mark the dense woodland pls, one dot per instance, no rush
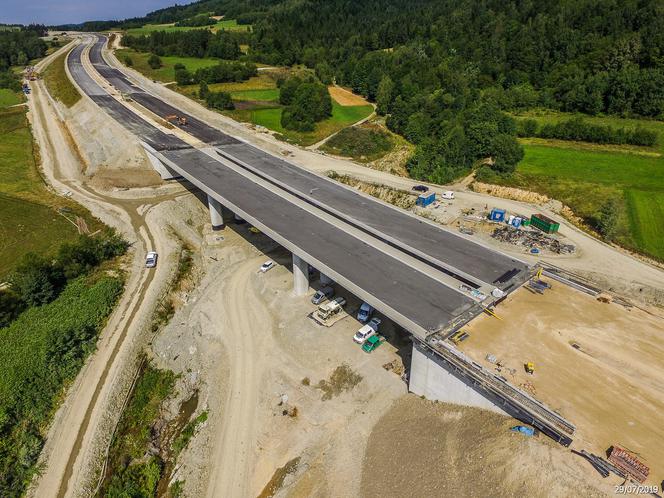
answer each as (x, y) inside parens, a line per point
(445, 71)
(192, 43)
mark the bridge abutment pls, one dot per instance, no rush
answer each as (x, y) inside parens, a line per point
(431, 377)
(300, 276)
(216, 217)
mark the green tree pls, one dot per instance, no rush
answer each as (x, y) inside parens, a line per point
(607, 221)
(154, 61)
(203, 90)
(183, 77)
(128, 61)
(384, 95)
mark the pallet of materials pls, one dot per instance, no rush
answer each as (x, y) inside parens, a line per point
(627, 462)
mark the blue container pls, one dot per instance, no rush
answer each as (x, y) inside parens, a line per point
(516, 222)
(497, 214)
(423, 200)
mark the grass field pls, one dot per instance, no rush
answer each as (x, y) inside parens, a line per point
(261, 94)
(585, 179)
(29, 220)
(646, 212)
(9, 97)
(225, 24)
(59, 85)
(166, 73)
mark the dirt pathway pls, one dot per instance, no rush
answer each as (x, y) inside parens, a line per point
(244, 331)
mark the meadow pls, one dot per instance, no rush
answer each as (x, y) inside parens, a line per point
(29, 218)
(585, 179)
(9, 97)
(165, 73)
(225, 24)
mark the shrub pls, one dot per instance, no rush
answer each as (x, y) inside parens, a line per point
(219, 100)
(154, 61)
(128, 61)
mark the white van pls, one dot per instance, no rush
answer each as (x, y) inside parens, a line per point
(448, 194)
(364, 333)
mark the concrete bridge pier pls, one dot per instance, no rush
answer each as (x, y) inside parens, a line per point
(216, 217)
(325, 280)
(300, 276)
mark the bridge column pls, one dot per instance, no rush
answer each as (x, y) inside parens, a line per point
(216, 217)
(300, 276)
(325, 280)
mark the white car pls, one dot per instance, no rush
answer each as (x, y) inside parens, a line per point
(268, 265)
(448, 194)
(151, 259)
(364, 333)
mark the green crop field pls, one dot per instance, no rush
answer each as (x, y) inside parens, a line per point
(586, 179)
(29, 220)
(166, 73)
(9, 97)
(58, 83)
(225, 24)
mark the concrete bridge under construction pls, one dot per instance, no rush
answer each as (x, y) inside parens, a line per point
(428, 280)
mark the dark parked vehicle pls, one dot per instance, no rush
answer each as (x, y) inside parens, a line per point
(420, 188)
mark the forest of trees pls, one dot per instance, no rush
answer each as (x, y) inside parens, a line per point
(306, 102)
(444, 72)
(191, 43)
(17, 48)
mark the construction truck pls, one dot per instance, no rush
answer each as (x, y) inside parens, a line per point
(325, 311)
(530, 367)
(175, 119)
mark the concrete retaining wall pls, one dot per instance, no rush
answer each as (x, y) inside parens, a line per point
(430, 378)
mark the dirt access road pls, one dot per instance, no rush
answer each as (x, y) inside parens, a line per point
(84, 412)
(247, 321)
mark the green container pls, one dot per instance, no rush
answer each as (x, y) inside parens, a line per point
(547, 225)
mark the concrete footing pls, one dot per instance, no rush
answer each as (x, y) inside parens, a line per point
(300, 276)
(216, 217)
(430, 378)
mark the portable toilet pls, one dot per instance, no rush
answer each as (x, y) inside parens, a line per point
(426, 198)
(516, 222)
(510, 220)
(497, 214)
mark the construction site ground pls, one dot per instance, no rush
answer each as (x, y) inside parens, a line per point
(599, 364)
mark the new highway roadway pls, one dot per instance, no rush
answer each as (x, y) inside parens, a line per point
(413, 271)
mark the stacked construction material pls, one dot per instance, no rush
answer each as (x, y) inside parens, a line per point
(628, 463)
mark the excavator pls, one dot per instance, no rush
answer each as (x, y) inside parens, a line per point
(175, 119)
